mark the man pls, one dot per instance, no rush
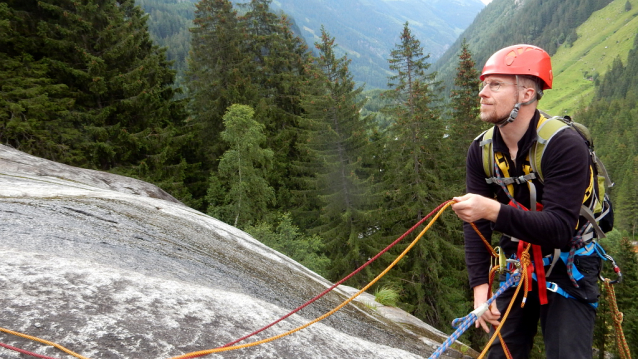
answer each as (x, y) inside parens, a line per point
(513, 81)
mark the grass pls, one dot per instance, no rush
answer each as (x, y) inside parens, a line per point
(387, 296)
(607, 34)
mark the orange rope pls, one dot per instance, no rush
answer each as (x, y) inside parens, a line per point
(223, 349)
(46, 342)
(487, 244)
(497, 331)
(489, 293)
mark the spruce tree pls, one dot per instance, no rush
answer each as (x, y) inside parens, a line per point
(463, 127)
(465, 124)
(255, 60)
(218, 75)
(35, 109)
(626, 292)
(338, 141)
(279, 61)
(627, 203)
(431, 275)
(118, 113)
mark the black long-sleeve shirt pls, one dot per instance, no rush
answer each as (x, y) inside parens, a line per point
(566, 172)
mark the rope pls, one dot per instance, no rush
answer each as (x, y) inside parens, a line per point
(621, 342)
(438, 210)
(342, 280)
(497, 331)
(267, 340)
(46, 342)
(487, 244)
(469, 319)
(525, 263)
(25, 352)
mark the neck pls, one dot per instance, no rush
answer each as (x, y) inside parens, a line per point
(513, 132)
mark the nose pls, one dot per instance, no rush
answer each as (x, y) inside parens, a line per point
(483, 91)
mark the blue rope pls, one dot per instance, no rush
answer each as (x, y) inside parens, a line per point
(469, 319)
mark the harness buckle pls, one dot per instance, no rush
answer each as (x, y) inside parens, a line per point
(552, 287)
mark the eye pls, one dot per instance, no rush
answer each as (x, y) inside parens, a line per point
(495, 85)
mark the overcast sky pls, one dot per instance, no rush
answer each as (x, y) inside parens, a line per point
(486, 1)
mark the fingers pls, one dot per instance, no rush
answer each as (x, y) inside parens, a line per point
(490, 316)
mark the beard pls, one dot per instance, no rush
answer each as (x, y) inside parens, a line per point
(490, 115)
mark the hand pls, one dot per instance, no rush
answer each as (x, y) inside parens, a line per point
(492, 315)
(473, 207)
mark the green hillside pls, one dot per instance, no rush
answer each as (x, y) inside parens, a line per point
(607, 34)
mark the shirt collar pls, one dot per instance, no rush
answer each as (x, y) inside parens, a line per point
(524, 144)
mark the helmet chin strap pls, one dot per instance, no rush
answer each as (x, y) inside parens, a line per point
(514, 112)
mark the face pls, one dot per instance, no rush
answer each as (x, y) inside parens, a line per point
(496, 105)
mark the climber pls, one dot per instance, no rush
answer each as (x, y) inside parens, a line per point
(513, 81)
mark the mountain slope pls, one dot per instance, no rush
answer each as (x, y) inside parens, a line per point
(548, 24)
(609, 33)
(365, 30)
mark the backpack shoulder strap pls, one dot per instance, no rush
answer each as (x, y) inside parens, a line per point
(546, 129)
(485, 139)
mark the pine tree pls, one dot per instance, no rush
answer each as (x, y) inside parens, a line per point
(432, 274)
(242, 171)
(338, 140)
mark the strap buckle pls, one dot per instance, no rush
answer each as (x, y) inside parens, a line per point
(552, 287)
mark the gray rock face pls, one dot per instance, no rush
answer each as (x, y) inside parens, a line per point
(111, 267)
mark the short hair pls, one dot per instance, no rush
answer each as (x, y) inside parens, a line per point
(534, 82)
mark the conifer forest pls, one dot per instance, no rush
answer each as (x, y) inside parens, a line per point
(273, 136)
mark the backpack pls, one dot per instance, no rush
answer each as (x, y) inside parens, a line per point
(598, 211)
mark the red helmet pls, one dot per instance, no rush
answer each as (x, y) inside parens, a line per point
(521, 60)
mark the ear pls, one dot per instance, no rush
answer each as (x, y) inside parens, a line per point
(529, 94)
